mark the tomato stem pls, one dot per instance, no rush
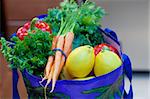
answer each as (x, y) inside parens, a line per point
(34, 20)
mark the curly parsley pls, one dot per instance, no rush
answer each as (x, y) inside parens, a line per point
(31, 53)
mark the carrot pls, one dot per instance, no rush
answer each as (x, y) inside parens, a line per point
(68, 46)
(49, 80)
(47, 69)
(50, 61)
(62, 63)
(57, 61)
(50, 76)
(67, 49)
(48, 66)
(50, 58)
(55, 39)
(68, 42)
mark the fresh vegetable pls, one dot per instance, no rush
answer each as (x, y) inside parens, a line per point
(50, 60)
(31, 53)
(63, 72)
(86, 29)
(65, 31)
(55, 39)
(105, 46)
(106, 61)
(57, 61)
(49, 65)
(43, 26)
(80, 61)
(88, 18)
(48, 68)
(65, 28)
(67, 49)
(27, 25)
(23, 31)
(49, 78)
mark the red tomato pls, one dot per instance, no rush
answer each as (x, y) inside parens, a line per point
(22, 31)
(27, 25)
(104, 46)
(43, 26)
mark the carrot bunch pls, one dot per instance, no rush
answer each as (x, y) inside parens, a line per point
(62, 42)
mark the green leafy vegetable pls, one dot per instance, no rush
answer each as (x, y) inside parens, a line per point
(54, 19)
(88, 18)
(31, 53)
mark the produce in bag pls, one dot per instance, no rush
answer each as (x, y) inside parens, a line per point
(23, 31)
(105, 46)
(43, 46)
(106, 61)
(80, 61)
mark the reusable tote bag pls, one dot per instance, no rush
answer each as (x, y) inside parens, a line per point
(108, 86)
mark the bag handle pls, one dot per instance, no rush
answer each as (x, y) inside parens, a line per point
(126, 63)
(15, 77)
(111, 33)
(128, 73)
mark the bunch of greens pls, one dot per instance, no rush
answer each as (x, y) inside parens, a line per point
(31, 53)
(88, 20)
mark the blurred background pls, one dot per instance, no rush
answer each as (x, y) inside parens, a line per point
(130, 19)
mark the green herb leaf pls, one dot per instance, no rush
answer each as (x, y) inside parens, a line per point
(31, 53)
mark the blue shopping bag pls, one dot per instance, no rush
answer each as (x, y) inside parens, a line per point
(108, 86)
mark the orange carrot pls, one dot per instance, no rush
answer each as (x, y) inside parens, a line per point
(62, 63)
(68, 41)
(57, 61)
(68, 44)
(49, 80)
(55, 39)
(48, 66)
(67, 49)
(50, 76)
(50, 59)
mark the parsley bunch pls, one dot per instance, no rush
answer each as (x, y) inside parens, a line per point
(31, 53)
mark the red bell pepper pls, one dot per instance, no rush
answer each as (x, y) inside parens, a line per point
(22, 31)
(104, 46)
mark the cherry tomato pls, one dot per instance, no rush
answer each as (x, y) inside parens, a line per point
(23, 31)
(104, 46)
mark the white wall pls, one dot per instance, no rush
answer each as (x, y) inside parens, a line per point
(149, 37)
(129, 19)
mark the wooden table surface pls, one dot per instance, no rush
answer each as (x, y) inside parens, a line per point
(6, 81)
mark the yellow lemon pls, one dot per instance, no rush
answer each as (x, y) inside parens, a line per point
(105, 62)
(86, 78)
(80, 61)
